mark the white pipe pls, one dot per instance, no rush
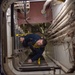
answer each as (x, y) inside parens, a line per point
(44, 6)
(66, 7)
(66, 17)
(61, 31)
(62, 36)
(63, 12)
(60, 26)
(60, 18)
(58, 37)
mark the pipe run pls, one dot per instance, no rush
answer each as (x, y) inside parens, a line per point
(59, 27)
(68, 19)
(58, 37)
(62, 14)
(61, 31)
(63, 35)
(45, 5)
(67, 27)
(66, 7)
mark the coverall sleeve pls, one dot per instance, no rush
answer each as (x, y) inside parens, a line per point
(38, 54)
(27, 37)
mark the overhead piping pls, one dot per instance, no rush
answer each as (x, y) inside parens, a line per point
(61, 15)
(66, 17)
(63, 35)
(43, 11)
(70, 21)
(25, 13)
(59, 27)
(63, 30)
(65, 7)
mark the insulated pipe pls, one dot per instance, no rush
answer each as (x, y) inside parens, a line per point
(61, 36)
(62, 16)
(50, 32)
(62, 21)
(44, 6)
(58, 37)
(66, 7)
(66, 17)
(64, 29)
(61, 31)
(60, 26)
(59, 17)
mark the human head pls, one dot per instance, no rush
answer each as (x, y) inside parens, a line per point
(42, 42)
(21, 39)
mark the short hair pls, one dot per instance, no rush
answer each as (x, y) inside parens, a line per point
(44, 41)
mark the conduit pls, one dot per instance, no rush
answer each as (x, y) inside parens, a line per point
(58, 37)
(63, 35)
(62, 14)
(60, 26)
(65, 18)
(64, 22)
(61, 31)
(45, 5)
(62, 10)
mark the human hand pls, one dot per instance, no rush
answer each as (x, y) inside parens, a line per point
(29, 61)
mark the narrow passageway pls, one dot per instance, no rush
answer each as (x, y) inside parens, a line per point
(46, 64)
(51, 20)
